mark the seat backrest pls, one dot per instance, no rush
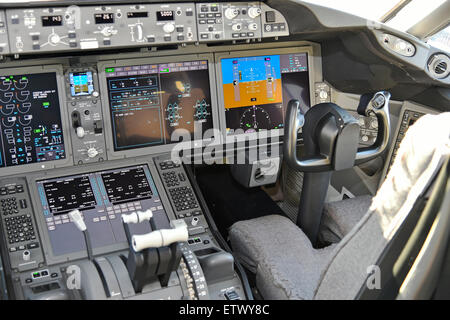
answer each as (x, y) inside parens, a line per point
(421, 153)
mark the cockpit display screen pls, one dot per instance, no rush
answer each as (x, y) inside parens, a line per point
(81, 83)
(257, 89)
(126, 185)
(66, 194)
(148, 103)
(95, 189)
(30, 119)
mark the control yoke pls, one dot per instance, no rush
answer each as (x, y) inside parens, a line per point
(330, 138)
(325, 155)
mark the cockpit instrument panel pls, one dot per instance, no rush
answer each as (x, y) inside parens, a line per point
(256, 89)
(31, 125)
(81, 83)
(102, 197)
(149, 102)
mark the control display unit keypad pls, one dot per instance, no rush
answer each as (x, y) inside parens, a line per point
(181, 194)
(19, 227)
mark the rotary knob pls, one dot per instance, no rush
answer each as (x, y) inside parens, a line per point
(54, 39)
(139, 33)
(254, 12)
(236, 27)
(92, 152)
(374, 124)
(169, 28)
(323, 95)
(80, 132)
(253, 26)
(107, 31)
(231, 13)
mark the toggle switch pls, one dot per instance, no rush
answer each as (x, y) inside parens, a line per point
(98, 126)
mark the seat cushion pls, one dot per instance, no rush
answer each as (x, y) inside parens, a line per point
(341, 216)
(424, 147)
(281, 256)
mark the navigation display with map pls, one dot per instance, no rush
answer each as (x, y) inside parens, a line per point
(257, 89)
(149, 102)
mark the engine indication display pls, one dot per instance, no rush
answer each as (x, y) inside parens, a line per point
(257, 89)
(149, 102)
(31, 128)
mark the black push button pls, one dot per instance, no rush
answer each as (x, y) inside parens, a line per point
(270, 16)
(33, 245)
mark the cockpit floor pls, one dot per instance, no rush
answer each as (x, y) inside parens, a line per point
(230, 202)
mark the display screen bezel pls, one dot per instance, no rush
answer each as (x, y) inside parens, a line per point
(253, 53)
(68, 160)
(113, 154)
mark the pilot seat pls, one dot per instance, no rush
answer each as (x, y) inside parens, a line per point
(283, 256)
